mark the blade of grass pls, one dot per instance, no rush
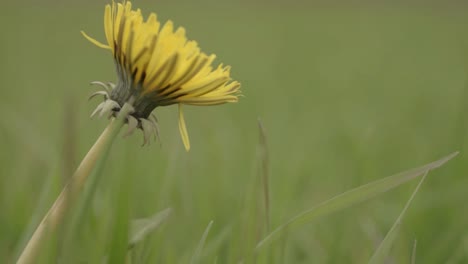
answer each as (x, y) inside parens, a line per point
(216, 242)
(24, 131)
(196, 255)
(141, 228)
(264, 172)
(69, 151)
(352, 197)
(81, 210)
(52, 184)
(119, 242)
(123, 184)
(382, 251)
(69, 137)
(413, 254)
(261, 196)
(254, 213)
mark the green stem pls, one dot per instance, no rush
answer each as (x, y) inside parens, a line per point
(53, 219)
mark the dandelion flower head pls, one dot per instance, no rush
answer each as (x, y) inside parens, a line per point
(157, 66)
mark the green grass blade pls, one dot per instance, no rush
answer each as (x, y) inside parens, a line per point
(413, 254)
(264, 172)
(351, 197)
(201, 244)
(78, 216)
(48, 188)
(26, 134)
(382, 251)
(120, 230)
(141, 228)
(217, 241)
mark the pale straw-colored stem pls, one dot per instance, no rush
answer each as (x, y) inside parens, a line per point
(53, 219)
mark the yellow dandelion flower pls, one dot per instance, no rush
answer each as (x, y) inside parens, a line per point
(157, 66)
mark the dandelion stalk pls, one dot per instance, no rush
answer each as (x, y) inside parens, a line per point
(156, 66)
(53, 219)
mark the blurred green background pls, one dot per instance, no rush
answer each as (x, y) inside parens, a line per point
(347, 93)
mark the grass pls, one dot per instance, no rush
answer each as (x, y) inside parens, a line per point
(346, 96)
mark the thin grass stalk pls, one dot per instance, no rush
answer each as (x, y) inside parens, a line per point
(382, 251)
(265, 172)
(42, 201)
(413, 254)
(196, 255)
(53, 219)
(69, 138)
(351, 197)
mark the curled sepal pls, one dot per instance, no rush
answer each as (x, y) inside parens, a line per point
(154, 118)
(98, 108)
(111, 85)
(107, 86)
(154, 121)
(132, 125)
(148, 130)
(103, 93)
(109, 105)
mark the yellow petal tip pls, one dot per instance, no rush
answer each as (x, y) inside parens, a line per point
(95, 42)
(183, 129)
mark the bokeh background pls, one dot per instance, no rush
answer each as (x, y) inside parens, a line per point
(348, 92)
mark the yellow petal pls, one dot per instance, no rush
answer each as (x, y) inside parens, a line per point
(95, 42)
(183, 129)
(108, 25)
(210, 100)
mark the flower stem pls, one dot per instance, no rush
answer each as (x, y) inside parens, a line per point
(53, 219)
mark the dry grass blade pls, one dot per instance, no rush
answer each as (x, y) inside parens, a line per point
(201, 244)
(141, 228)
(352, 197)
(382, 251)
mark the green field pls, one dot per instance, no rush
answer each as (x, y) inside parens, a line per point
(346, 94)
